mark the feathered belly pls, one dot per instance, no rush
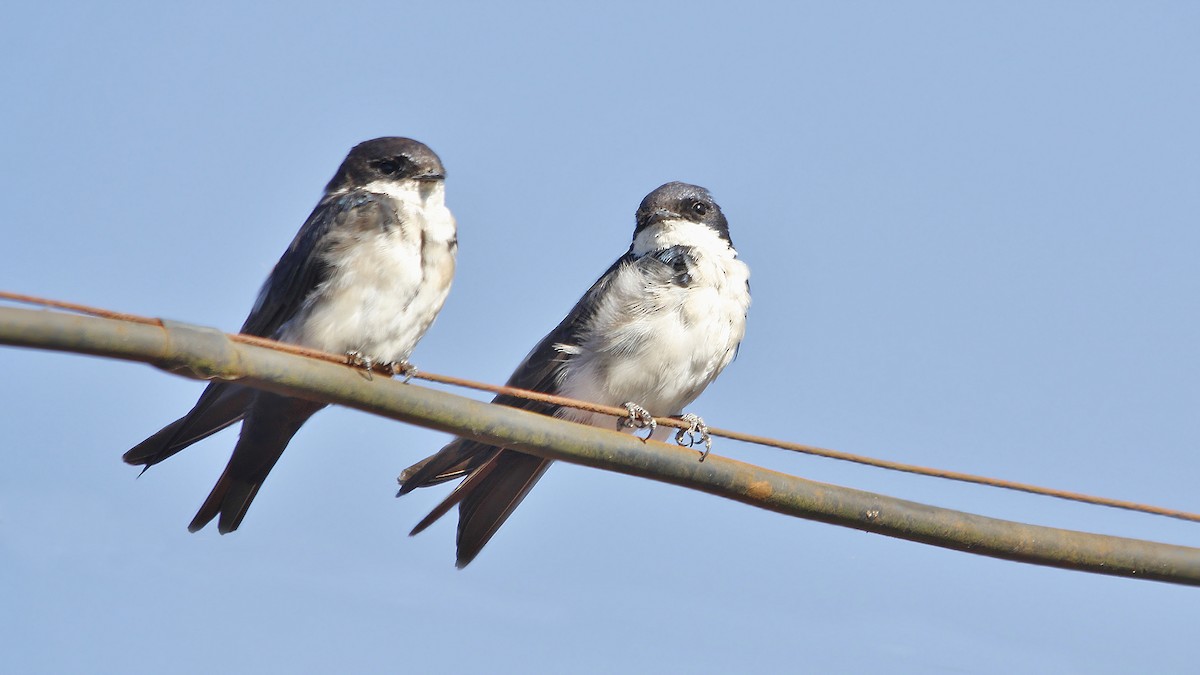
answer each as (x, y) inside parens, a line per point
(380, 301)
(662, 360)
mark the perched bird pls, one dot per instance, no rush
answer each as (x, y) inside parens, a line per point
(365, 276)
(649, 335)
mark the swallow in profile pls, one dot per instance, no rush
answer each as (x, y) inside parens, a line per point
(649, 336)
(365, 276)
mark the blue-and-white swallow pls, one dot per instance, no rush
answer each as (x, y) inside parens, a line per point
(366, 275)
(649, 335)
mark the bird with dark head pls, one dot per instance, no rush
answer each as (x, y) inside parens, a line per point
(649, 335)
(366, 276)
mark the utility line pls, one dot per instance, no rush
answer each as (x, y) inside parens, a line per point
(206, 353)
(666, 421)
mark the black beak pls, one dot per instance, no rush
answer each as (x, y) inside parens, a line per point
(659, 215)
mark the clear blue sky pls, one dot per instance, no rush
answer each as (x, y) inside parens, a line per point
(973, 231)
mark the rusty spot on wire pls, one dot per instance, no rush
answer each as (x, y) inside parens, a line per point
(760, 489)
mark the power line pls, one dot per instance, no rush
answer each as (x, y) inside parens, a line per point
(666, 421)
(209, 354)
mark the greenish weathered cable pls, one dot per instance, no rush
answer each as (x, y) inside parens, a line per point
(207, 353)
(815, 451)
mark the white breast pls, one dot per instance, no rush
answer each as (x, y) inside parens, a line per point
(659, 345)
(387, 284)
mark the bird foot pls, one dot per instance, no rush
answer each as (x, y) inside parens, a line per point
(638, 418)
(403, 368)
(695, 434)
(357, 359)
(368, 364)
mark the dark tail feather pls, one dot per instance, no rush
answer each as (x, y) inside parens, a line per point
(230, 499)
(270, 424)
(459, 458)
(220, 405)
(460, 491)
(485, 507)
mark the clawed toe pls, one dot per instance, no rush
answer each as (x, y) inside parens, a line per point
(403, 368)
(357, 359)
(368, 364)
(638, 418)
(697, 432)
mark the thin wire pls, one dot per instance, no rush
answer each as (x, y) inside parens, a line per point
(666, 421)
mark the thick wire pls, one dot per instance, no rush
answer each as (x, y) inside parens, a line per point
(621, 412)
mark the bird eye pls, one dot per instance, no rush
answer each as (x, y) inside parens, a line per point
(389, 167)
(699, 208)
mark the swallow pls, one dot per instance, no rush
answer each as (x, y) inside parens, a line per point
(366, 275)
(654, 331)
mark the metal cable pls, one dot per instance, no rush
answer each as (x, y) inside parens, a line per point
(666, 421)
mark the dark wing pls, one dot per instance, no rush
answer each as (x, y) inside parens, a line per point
(303, 266)
(538, 372)
(301, 269)
(541, 367)
(220, 405)
(498, 479)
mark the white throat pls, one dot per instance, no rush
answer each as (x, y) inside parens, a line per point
(679, 232)
(424, 193)
(420, 201)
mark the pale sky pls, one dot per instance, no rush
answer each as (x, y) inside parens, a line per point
(972, 234)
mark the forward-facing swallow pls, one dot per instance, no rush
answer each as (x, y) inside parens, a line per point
(649, 335)
(365, 276)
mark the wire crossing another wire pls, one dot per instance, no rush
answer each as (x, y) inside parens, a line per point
(667, 421)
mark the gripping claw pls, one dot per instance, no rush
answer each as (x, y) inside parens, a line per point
(403, 368)
(357, 359)
(694, 434)
(638, 418)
